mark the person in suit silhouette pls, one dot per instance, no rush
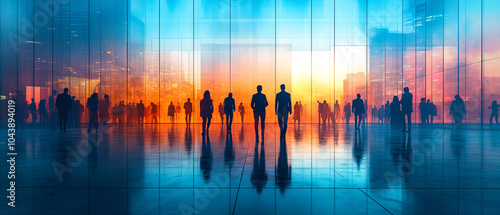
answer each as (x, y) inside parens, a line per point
(336, 110)
(358, 108)
(259, 104)
(188, 109)
(42, 110)
(206, 110)
(171, 112)
(395, 113)
(283, 107)
(63, 105)
(406, 108)
(229, 108)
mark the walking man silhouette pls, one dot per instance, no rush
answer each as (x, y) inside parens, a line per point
(406, 108)
(283, 107)
(188, 109)
(229, 108)
(259, 104)
(358, 108)
(63, 104)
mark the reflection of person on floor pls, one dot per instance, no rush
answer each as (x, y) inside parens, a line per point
(296, 112)
(358, 108)
(283, 170)
(171, 112)
(358, 149)
(494, 111)
(229, 108)
(188, 109)
(206, 159)
(283, 107)
(241, 110)
(259, 175)
(457, 110)
(63, 105)
(406, 108)
(259, 104)
(92, 104)
(206, 110)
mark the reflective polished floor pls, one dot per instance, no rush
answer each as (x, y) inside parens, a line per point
(171, 169)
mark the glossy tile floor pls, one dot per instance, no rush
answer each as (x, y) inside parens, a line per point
(170, 169)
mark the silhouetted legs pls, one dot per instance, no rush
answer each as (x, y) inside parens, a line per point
(222, 119)
(357, 120)
(242, 118)
(63, 120)
(229, 121)
(262, 117)
(406, 116)
(494, 115)
(283, 122)
(206, 124)
(188, 118)
(93, 121)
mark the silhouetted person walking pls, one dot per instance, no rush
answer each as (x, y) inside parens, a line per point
(229, 108)
(283, 107)
(177, 111)
(221, 112)
(395, 113)
(259, 104)
(42, 110)
(494, 111)
(79, 109)
(33, 112)
(92, 104)
(154, 112)
(457, 110)
(171, 112)
(241, 109)
(141, 109)
(104, 110)
(358, 108)
(296, 112)
(336, 110)
(64, 105)
(347, 112)
(188, 109)
(206, 110)
(423, 111)
(406, 108)
(52, 109)
(320, 111)
(431, 111)
(374, 113)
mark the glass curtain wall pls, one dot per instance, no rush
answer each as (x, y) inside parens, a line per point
(166, 51)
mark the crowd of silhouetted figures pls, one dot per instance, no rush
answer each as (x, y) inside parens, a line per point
(70, 110)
